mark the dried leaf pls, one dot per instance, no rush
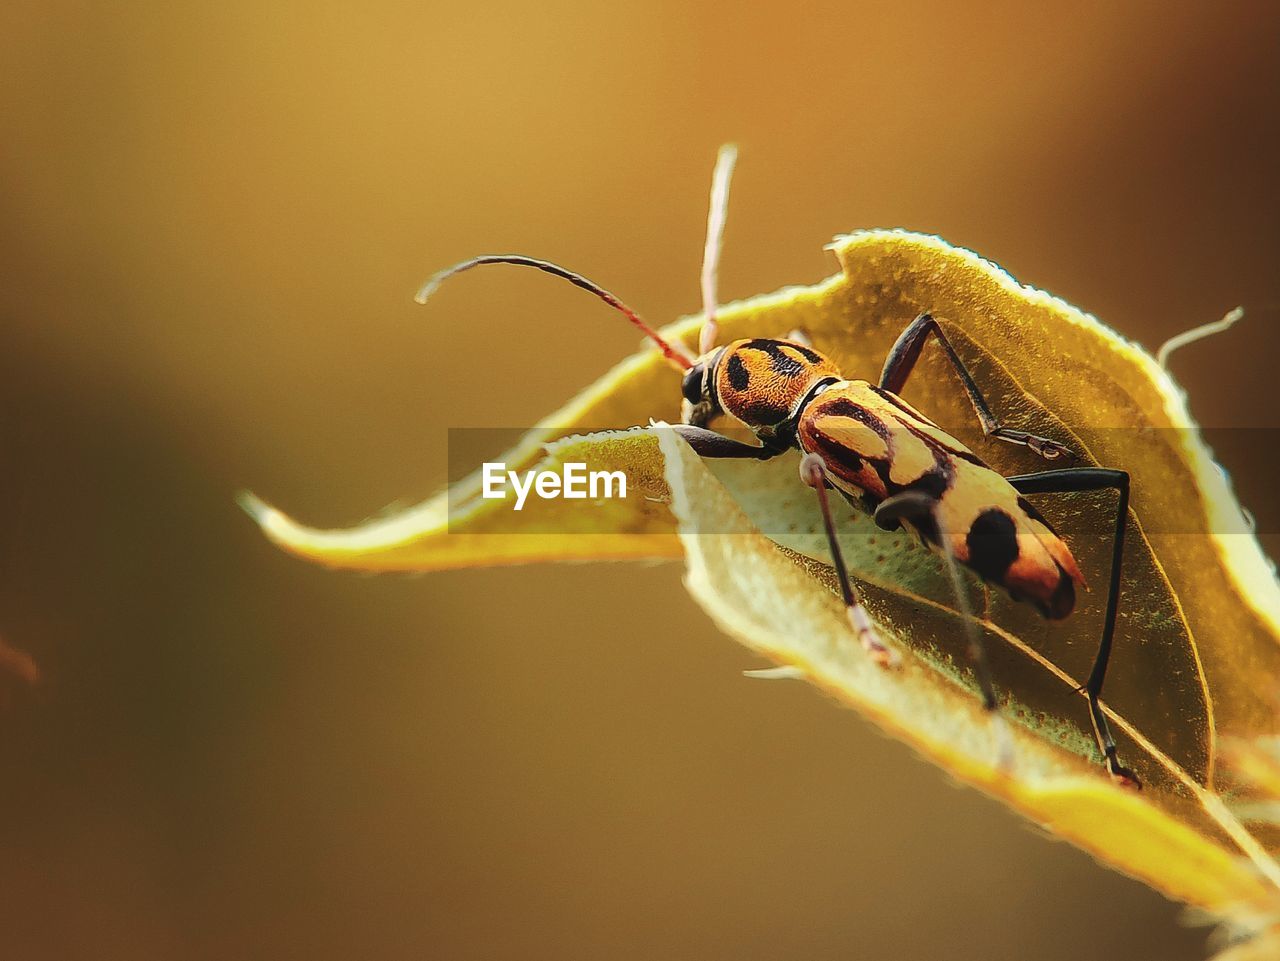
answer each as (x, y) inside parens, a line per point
(1200, 614)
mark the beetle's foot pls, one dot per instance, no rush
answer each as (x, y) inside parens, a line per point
(1122, 775)
(1050, 449)
(880, 653)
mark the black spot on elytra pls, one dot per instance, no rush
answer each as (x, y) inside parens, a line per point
(739, 376)
(993, 544)
(933, 484)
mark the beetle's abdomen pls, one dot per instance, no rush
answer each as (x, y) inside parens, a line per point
(875, 445)
(997, 533)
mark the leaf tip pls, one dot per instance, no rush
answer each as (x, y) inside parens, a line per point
(274, 523)
(783, 672)
(259, 510)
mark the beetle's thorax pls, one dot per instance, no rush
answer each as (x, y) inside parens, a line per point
(766, 383)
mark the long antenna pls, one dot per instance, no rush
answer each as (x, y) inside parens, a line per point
(725, 160)
(676, 354)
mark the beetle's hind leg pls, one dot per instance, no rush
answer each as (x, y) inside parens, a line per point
(1093, 479)
(814, 474)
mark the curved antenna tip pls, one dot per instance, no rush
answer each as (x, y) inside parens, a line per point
(432, 283)
(675, 352)
(426, 290)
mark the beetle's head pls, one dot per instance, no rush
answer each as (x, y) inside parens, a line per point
(701, 400)
(758, 382)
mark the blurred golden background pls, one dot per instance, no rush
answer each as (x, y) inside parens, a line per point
(214, 219)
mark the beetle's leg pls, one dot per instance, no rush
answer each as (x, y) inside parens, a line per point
(920, 508)
(1093, 479)
(707, 443)
(813, 473)
(902, 360)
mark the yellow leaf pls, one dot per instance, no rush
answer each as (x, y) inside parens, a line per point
(763, 598)
(1200, 615)
(458, 528)
(1266, 947)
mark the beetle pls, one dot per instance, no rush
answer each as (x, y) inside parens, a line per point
(886, 458)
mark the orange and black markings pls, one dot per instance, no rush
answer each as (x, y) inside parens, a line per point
(887, 458)
(876, 446)
(762, 381)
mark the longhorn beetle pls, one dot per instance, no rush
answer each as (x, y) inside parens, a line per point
(884, 457)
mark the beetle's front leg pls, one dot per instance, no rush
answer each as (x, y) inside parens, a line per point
(813, 472)
(707, 443)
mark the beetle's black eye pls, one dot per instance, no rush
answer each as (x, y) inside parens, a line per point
(692, 386)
